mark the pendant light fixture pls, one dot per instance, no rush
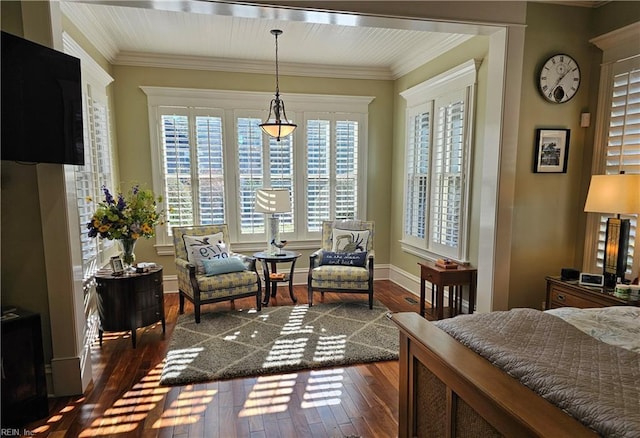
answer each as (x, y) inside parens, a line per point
(278, 126)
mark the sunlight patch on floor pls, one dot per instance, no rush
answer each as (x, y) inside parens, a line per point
(188, 408)
(129, 412)
(51, 421)
(269, 395)
(324, 388)
(330, 348)
(180, 360)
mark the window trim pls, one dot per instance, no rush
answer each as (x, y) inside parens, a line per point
(462, 78)
(245, 102)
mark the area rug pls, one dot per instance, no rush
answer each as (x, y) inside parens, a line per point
(247, 343)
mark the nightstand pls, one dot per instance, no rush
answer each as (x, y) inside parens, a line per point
(571, 294)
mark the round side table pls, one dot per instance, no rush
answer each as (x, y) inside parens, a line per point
(271, 278)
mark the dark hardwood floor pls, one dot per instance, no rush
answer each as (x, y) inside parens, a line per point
(125, 399)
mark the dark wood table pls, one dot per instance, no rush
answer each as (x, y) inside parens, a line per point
(129, 301)
(272, 260)
(454, 279)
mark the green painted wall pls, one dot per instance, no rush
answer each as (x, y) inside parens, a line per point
(475, 48)
(548, 222)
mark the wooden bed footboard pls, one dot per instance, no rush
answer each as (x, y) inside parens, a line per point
(447, 390)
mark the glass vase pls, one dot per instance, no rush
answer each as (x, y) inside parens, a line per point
(128, 246)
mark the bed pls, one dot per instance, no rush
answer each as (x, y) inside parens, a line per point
(561, 373)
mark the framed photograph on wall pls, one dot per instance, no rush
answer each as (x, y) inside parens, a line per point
(116, 265)
(551, 151)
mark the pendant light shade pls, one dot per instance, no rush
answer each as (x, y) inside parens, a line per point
(277, 125)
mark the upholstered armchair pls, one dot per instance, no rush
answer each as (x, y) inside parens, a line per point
(345, 261)
(208, 272)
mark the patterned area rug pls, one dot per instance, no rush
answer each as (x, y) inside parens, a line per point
(246, 343)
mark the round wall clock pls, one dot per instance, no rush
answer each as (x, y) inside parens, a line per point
(559, 78)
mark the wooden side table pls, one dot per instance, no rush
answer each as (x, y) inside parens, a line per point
(455, 279)
(129, 301)
(272, 260)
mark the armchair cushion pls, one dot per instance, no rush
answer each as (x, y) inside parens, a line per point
(230, 284)
(338, 273)
(223, 266)
(349, 240)
(344, 258)
(206, 247)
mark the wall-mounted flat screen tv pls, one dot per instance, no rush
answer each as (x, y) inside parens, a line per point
(41, 104)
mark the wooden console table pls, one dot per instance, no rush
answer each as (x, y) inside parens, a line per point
(129, 301)
(454, 279)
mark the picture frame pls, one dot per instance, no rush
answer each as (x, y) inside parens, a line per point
(116, 265)
(551, 150)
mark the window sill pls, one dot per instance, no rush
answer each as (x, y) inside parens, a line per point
(250, 247)
(426, 254)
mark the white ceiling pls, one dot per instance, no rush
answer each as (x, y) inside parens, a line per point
(230, 35)
(135, 36)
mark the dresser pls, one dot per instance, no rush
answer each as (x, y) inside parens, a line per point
(24, 384)
(571, 294)
(129, 301)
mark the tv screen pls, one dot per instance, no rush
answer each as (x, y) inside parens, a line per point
(41, 104)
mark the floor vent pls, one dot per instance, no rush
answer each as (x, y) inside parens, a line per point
(410, 300)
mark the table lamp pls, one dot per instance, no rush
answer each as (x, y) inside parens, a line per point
(614, 194)
(271, 201)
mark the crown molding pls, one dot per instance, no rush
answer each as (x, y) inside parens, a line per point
(444, 45)
(137, 59)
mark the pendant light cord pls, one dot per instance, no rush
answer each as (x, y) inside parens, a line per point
(277, 32)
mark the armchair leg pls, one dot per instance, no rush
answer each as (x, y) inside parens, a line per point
(197, 312)
(310, 296)
(181, 295)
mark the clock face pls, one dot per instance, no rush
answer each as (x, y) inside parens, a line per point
(559, 78)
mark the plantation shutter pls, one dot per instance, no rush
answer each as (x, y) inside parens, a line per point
(333, 142)
(177, 163)
(318, 173)
(346, 191)
(192, 154)
(250, 173)
(280, 156)
(210, 170)
(417, 178)
(95, 173)
(447, 175)
(622, 151)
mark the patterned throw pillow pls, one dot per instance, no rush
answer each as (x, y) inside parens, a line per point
(208, 247)
(349, 240)
(344, 258)
(223, 266)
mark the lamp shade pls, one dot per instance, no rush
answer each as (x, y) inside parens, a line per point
(278, 129)
(618, 194)
(272, 200)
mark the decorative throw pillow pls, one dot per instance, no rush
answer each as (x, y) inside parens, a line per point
(344, 258)
(208, 247)
(349, 240)
(223, 266)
